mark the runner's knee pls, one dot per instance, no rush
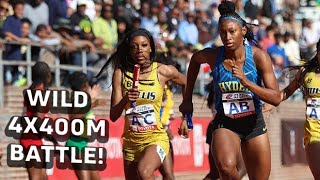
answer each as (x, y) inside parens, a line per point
(145, 172)
(227, 166)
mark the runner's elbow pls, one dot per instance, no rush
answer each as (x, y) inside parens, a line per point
(276, 100)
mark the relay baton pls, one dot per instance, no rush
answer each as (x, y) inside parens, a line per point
(136, 72)
(188, 117)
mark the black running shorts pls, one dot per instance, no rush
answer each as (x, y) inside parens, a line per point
(246, 128)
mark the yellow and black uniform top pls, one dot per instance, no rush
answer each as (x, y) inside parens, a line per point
(312, 94)
(143, 125)
(167, 106)
(311, 83)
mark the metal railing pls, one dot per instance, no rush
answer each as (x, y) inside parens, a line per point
(57, 67)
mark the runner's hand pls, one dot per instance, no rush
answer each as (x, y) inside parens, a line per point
(183, 130)
(268, 109)
(133, 94)
(186, 107)
(238, 73)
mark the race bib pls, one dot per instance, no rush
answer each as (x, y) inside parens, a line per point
(142, 118)
(161, 153)
(313, 108)
(237, 105)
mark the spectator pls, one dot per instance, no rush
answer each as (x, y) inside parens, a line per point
(47, 53)
(166, 5)
(90, 10)
(130, 12)
(57, 9)
(147, 22)
(188, 31)
(119, 13)
(165, 34)
(25, 33)
(291, 48)
(37, 12)
(293, 5)
(12, 32)
(210, 26)
(214, 17)
(183, 6)
(204, 34)
(74, 45)
(214, 12)
(97, 6)
(268, 8)
(155, 11)
(64, 31)
(250, 10)
(239, 8)
(174, 20)
(92, 59)
(44, 36)
(78, 16)
(25, 27)
(105, 27)
(122, 28)
(278, 55)
(136, 23)
(268, 40)
(291, 25)
(87, 34)
(172, 53)
(4, 13)
(308, 39)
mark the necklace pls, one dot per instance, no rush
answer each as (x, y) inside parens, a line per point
(144, 68)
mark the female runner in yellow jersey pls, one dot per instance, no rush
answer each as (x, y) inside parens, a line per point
(166, 115)
(308, 79)
(145, 142)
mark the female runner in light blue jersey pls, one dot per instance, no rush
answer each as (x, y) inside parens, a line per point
(238, 72)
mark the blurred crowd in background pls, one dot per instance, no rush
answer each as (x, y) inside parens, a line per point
(62, 28)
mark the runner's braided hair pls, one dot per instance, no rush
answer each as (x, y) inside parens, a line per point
(227, 11)
(307, 67)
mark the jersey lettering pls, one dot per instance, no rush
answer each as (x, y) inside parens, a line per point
(237, 105)
(135, 121)
(313, 108)
(129, 84)
(313, 90)
(232, 86)
(233, 108)
(148, 95)
(313, 113)
(142, 118)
